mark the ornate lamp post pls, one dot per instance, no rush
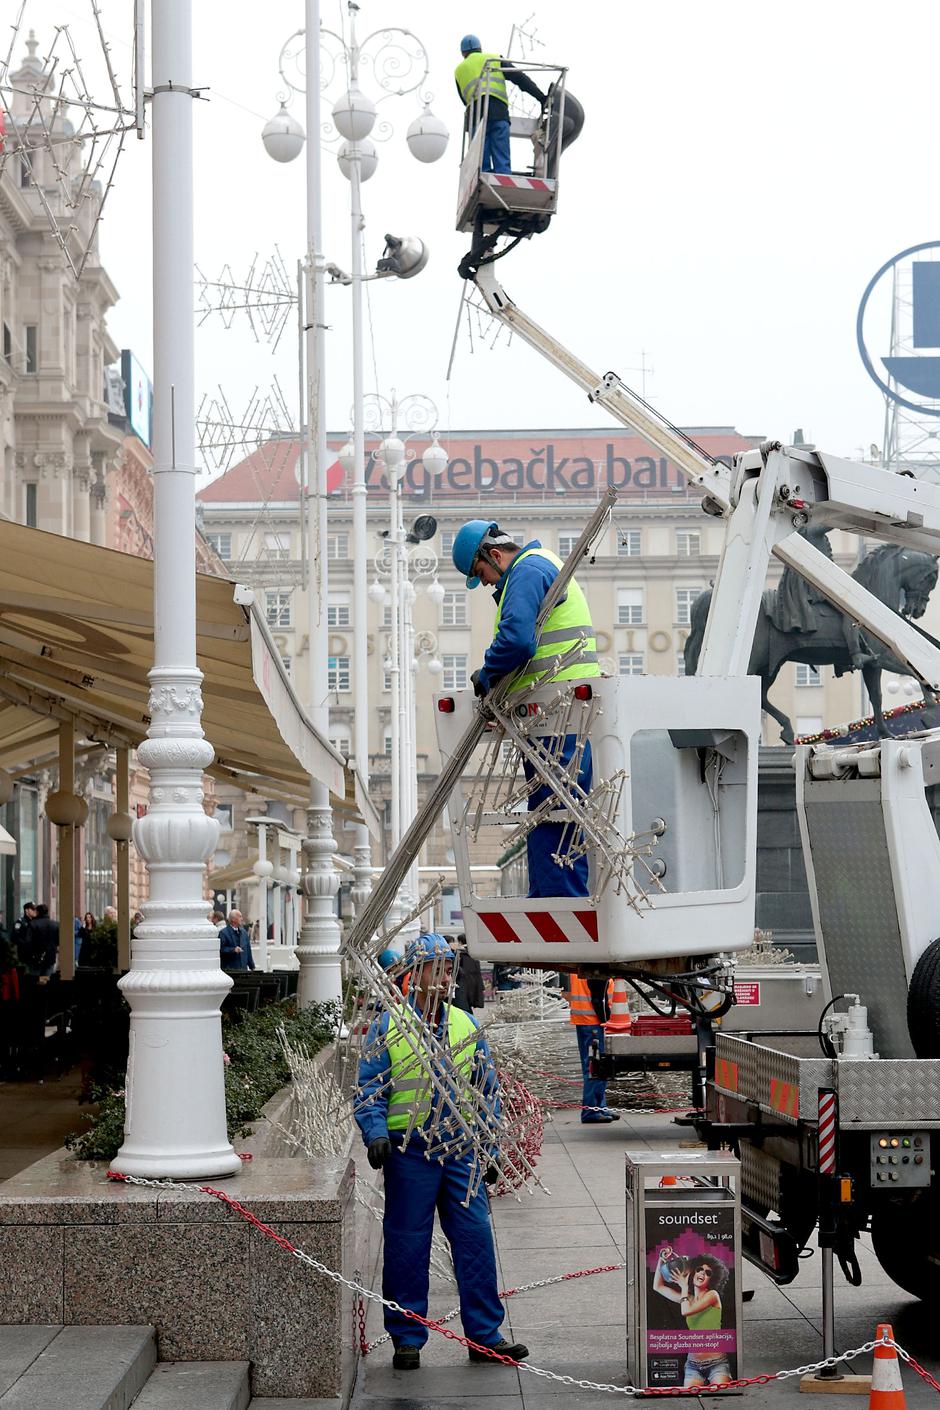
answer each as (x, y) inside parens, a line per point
(398, 64)
(404, 562)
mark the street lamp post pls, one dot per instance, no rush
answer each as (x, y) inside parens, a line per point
(399, 64)
(175, 1122)
(400, 564)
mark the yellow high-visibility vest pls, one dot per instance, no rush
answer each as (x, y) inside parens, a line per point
(478, 74)
(410, 1086)
(568, 623)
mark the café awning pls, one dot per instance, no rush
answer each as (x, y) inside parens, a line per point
(76, 642)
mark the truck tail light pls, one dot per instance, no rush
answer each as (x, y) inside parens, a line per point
(583, 692)
(447, 705)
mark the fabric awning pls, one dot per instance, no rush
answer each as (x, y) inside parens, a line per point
(76, 642)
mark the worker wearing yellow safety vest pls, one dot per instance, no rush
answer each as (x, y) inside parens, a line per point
(589, 1003)
(394, 1097)
(479, 76)
(521, 578)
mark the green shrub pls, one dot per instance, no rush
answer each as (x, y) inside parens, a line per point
(256, 1069)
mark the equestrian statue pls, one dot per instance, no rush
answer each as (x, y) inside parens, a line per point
(797, 623)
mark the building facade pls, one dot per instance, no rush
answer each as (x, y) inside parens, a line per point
(650, 564)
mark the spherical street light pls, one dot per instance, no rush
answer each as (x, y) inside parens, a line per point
(436, 592)
(354, 114)
(427, 137)
(283, 136)
(392, 454)
(347, 457)
(435, 459)
(362, 152)
(377, 591)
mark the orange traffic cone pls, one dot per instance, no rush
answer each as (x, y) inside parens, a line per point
(620, 1020)
(886, 1390)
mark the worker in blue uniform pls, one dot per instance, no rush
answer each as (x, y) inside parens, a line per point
(521, 577)
(479, 74)
(392, 1090)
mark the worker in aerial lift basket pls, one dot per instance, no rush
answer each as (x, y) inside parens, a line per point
(478, 74)
(414, 1135)
(521, 577)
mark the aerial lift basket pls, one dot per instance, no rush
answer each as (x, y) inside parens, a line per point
(668, 828)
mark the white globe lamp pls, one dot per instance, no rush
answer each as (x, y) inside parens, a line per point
(435, 459)
(427, 137)
(347, 457)
(354, 114)
(362, 152)
(436, 592)
(391, 452)
(283, 136)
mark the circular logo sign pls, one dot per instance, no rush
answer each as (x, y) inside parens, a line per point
(898, 328)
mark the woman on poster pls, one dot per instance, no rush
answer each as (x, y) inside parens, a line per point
(696, 1285)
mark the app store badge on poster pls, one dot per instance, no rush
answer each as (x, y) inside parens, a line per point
(691, 1337)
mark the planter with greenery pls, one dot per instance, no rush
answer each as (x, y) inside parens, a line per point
(255, 1070)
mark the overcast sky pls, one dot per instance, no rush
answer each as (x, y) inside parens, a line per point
(743, 171)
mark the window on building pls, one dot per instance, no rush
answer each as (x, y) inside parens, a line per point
(387, 616)
(386, 680)
(337, 612)
(629, 542)
(447, 540)
(337, 546)
(387, 743)
(807, 675)
(32, 490)
(277, 546)
(32, 349)
(566, 543)
(517, 538)
(337, 673)
(7, 343)
(277, 606)
(808, 724)
(222, 544)
(454, 609)
(225, 816)
(341, 743)
(629, 607)
(680, 663)
(630, 663)
(454, 675)
(688, 543)
(285, 662)
(685, 596)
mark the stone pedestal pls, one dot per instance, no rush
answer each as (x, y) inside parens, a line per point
(78, 1249)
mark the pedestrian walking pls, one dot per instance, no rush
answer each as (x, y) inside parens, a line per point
(394, 1095)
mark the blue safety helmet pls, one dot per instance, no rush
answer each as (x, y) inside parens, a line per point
(467, 543)
(469, 43)
(389, 957)
(422, 948)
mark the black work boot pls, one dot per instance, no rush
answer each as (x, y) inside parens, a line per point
(515, 1349)
(407, 1358)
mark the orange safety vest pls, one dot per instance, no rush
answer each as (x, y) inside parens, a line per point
(579, 1001)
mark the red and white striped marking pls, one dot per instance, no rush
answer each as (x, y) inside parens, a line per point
(827, 1132)
(522, 183)
(550, 927)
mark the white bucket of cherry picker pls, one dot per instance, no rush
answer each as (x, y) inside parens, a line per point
(678, 758)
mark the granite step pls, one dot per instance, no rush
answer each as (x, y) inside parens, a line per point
(81, 1368)
(197, 1385)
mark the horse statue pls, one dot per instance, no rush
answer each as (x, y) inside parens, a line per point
(797, 623)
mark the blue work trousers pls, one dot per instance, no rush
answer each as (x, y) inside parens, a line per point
(414, 1188)
(594, 1092)
(546, 877)
(496, 146)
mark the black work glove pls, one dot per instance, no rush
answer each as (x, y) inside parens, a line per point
(491, 1175)
(379, 1152)
(479, 689)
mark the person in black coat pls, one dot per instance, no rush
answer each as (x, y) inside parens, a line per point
(468, 989)
(235, 944)
(40, 950)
